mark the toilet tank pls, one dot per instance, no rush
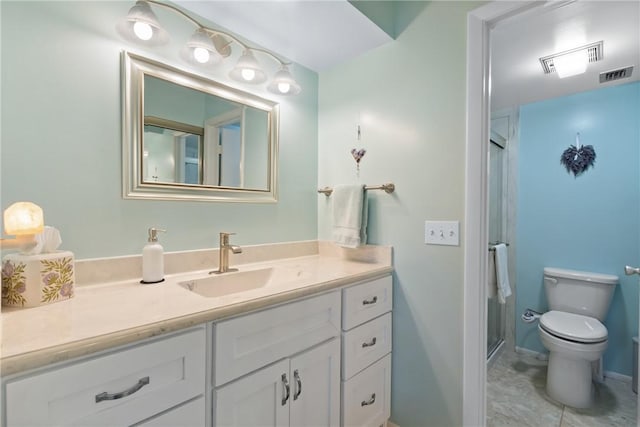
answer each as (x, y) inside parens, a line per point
(579, 292)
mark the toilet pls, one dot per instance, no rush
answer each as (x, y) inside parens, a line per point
(573, 332)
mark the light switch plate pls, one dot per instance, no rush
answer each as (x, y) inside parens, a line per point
(442, 233)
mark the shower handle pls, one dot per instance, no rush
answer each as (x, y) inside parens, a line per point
(631, 270)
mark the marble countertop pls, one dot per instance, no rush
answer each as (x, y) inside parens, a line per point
(102, 316)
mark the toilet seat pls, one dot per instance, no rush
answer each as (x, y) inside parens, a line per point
(573, 327)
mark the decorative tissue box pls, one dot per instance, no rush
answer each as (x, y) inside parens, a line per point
(33, 280)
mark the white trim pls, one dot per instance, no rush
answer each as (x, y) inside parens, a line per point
(474, 364)
(618, 377)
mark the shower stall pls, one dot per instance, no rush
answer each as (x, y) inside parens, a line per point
(498, 161)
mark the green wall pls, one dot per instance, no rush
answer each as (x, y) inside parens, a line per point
(61, 137)
(409, 98)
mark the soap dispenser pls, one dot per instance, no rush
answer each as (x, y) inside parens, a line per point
(153, 259)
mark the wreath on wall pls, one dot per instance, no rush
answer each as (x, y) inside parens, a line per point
(577, 159)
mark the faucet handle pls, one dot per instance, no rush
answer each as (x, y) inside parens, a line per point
(224, 238)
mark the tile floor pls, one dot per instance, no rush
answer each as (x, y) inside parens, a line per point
(516, 397)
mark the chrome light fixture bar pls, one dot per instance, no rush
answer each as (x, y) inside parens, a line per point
(205, 47)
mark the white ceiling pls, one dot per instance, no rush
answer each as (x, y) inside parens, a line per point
(315, 33)
(518, 43)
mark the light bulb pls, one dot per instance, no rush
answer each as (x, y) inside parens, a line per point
(143, 30)
(284, 87)
(201, 55)
(248, 74)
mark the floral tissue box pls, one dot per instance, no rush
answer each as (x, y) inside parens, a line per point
(33, 280)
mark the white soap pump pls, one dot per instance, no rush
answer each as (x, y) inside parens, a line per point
(153, 258)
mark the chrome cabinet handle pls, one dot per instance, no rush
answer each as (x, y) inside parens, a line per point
(296, 375)
(370, 301)
(370, 401)
(370, 343)
(106, 396)
(287, 390)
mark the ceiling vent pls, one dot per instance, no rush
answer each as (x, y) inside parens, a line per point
(620, 73)
(594, 53)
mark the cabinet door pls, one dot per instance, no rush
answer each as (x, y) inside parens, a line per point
(315, 386)
(259, 399)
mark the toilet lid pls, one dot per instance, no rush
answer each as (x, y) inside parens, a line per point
(574, 327)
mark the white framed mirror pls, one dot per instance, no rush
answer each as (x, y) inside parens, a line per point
(186, 137)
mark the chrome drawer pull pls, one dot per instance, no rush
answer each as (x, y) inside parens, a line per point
(371, 301)
(370, 401)
(296, 375)
(287, 391)
(370, 343)
(106, 396)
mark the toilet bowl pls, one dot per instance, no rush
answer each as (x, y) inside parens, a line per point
(573, 333)
(574, 342)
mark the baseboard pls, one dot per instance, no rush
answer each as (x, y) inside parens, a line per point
(531, 353)
(390, 424)
(617, 376)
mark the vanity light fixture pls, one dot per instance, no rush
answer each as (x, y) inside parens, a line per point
(247, 69)
(572, 62)
(284, 83)
(141, 26)
(23, 220)
(200, 50)
(205, 47)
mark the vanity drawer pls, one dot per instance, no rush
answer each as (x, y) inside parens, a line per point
(190, 414)
(363, 302)
(119, 388)
(366, 398)
(365, 344)
(247, 343)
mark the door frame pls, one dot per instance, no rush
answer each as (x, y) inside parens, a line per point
(478, 112)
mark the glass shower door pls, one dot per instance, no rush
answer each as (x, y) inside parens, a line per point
(495, 311)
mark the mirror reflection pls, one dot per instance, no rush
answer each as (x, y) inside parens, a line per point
(187, 137)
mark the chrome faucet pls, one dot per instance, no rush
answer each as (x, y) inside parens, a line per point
(225, 247)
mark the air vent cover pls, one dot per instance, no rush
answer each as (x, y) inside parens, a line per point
(594, 53)
(621, 73)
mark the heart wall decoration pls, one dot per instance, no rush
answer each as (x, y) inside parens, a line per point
(578, 158)
(357, 156)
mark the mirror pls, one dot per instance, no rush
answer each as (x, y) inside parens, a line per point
(189, 138)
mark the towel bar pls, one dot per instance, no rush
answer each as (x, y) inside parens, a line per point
(492, 245)
(388, 188)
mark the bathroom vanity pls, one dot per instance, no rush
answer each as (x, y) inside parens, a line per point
(311, 345)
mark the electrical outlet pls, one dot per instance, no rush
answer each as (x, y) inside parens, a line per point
(442, 233)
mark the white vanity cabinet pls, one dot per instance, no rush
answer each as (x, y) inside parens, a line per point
(123, 387)
(280, 366)
(320, 360)
(366, 353)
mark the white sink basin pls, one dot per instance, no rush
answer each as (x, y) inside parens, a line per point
(217, 285)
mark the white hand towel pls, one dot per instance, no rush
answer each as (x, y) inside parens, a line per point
(349, 215)
(502, 273)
